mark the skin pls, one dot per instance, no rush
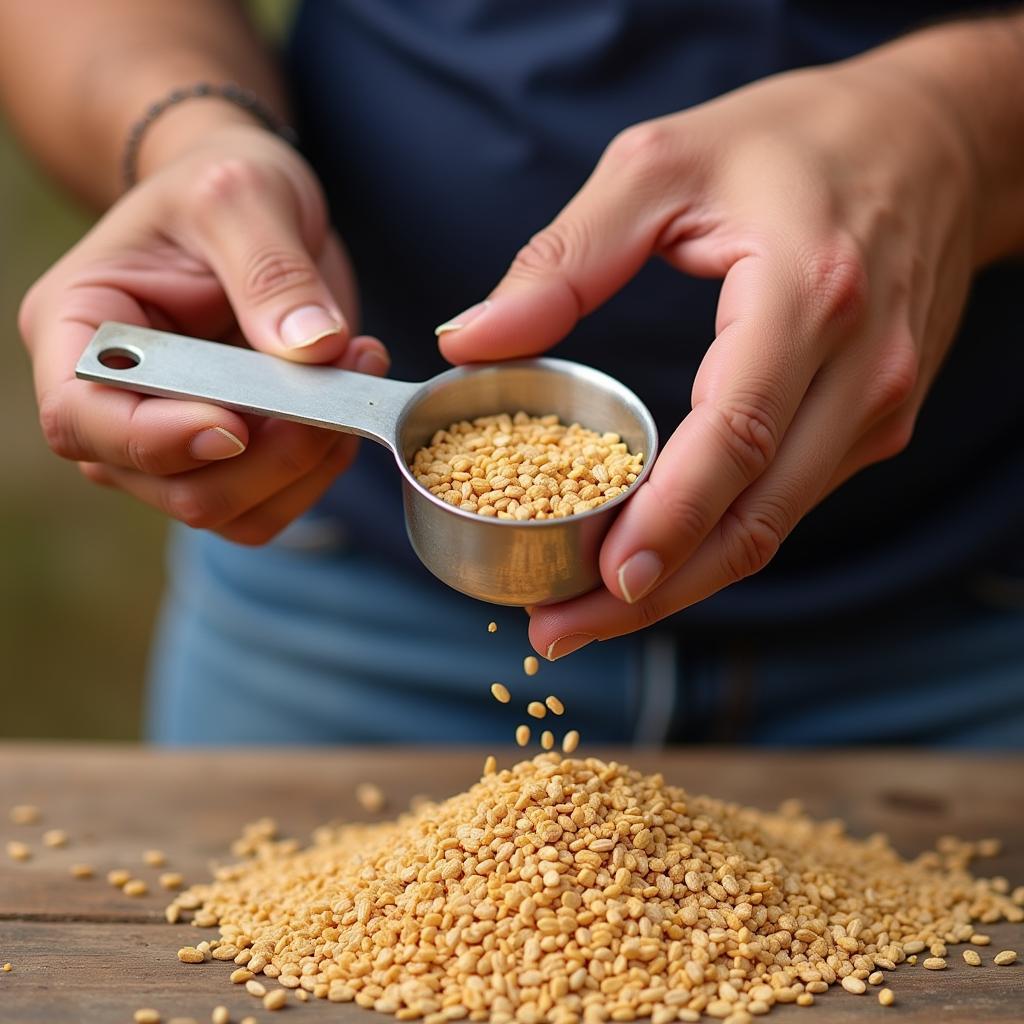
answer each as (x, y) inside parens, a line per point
(845, 208)
(225, 237)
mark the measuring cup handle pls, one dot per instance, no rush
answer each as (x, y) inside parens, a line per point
(173, 366)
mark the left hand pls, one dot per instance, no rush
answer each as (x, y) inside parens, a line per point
(839, 207)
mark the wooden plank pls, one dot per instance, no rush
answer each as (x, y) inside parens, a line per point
(88, 972)
(83, 951)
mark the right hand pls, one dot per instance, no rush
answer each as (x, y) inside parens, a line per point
(228, 241)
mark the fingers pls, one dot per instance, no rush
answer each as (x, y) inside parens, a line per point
(592, 248)
(280, 454)
(770, 345)
(246, 224)
(286, 470)
(91, 423)
(264, 522)
(743, 540)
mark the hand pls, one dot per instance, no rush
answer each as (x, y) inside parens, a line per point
(838, 206)
(229, 241)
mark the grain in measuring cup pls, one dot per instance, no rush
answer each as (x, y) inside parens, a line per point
(524, 467)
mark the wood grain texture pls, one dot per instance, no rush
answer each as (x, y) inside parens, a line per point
(82, 951)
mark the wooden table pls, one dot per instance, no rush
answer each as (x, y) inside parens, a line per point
(83, 951)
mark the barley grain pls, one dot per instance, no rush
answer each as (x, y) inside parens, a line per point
(171, 880)
(972, 957)
(535, 709)
(547, 739)
(118, 876)
(886, 997)
(220, 1015)
(371, 797)
(135, 887)
(19, 851)
(276, 999)
(154, 858)
(499, 691)
(82, 871)
(255, 988)
(531, 665)
(25, 814)
(146, 1016)
(570, 741)
(1005, 958)
(190, 955)
(565, 891)
(935, 963)
(492, 627)
(523, 467)
(55, 837)
(522, 735)
(555, 706)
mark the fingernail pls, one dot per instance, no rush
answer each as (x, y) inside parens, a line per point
(373, 361)
(638, 574)
(307, 325)
(215, 443)
(567, 644)
(464, 319)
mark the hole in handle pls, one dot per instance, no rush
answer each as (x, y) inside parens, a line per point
(120, 358)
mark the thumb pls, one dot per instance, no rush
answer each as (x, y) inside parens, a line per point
(248, 228)
(588, 252)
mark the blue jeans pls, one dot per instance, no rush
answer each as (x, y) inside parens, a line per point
(304, 641)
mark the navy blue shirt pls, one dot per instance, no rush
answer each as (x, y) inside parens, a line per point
(446, 132)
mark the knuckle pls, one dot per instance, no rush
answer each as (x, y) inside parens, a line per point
(27, 311)
(836, 281)
(94, 473)
(687, 517)
(57, 423)
(549, 251)
(252, 531)
(750, 432)
(650, 610)
(184, 501)
(893, 438)
(646, 149)
(143, 457)
(273, 270)
(895, 377)
(224, 182)
(750, 540)
(298, 454)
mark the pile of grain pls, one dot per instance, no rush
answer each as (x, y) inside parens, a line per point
(570, 889)
(525, 467)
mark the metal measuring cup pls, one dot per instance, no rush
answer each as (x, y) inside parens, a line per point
(502, 561)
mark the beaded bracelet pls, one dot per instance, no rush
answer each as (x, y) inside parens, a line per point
(243, 98)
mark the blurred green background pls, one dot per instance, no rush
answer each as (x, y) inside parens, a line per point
(80, 567)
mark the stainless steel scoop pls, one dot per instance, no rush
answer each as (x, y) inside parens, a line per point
(498, 560)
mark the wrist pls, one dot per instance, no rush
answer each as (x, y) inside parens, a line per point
(966, 76)
(187, 127)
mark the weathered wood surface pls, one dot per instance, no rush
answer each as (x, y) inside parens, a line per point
(82, 951)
